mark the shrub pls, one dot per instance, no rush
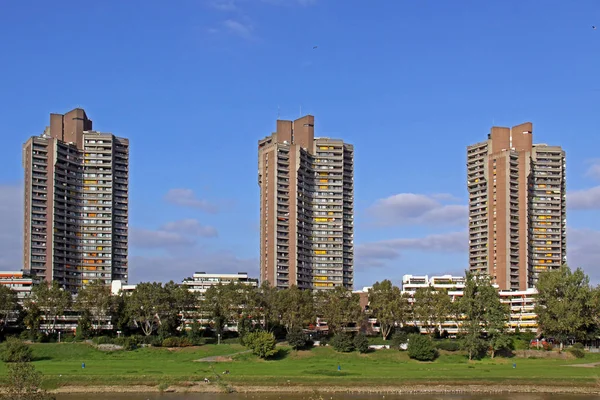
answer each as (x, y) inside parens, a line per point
(342, 342)
(175, 341)
(195, 334)
(421, 348)
(261, 343)
(128, 343)
(361, 343)
(297, 339)
(398, 339)
(15, 350)
(577, 350)
(103, 340)
(447, 345)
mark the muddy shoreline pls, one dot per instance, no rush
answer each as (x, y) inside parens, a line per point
(400, 389)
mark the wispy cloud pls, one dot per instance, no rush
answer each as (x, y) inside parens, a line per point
(223, 5)
(377, 254)
(585, 199)
(239, 28)
(187, 198)
(418, 209)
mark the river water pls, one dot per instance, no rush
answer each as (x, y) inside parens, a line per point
(308, 396)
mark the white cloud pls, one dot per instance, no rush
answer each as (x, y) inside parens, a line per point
(187, 198)
(594, 169)
(11, 227)
(190, 227)
(376, 254)
(418, 209)
(171, 235)
(238, 28)
(583, 251)
(585, 199)
(224, 5)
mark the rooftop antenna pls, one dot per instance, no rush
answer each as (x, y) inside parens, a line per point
(300, 110)
(278, 112)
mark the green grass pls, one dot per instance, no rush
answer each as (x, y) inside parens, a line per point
(154, 366)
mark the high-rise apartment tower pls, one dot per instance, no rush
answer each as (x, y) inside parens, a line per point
(306, 208)
(76, 203)
(517, 207)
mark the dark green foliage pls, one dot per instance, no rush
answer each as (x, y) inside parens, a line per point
(447, 345)
(15, 351)
(84, 326)
(261, 343)
(577, 350)
(128, 343)
(342, 342)
(175, 341)
(195, 334)
(361, 343)
(399, 338)
(297, 339)
(420, 348)
(103, 340)
(24, 383)
(473, 344)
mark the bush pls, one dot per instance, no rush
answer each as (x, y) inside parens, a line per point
(195, 334)
(128, 343)
(421, 348)
(361, 343)
(175, 341)
(398, 339)
(103, 340)
(577, 350)
(261, 343)
(342, 342)
(15, 350)
(447, 345)
(297, 339)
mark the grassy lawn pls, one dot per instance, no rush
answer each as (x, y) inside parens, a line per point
(316, 367)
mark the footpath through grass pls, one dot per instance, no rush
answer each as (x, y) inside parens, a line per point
(61, 366)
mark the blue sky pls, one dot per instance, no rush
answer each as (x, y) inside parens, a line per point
(195, 84)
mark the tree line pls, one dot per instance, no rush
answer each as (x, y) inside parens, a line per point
(567, 307)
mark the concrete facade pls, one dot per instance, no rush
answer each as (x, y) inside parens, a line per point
(76, 203)
(517, 207)
(306, 208)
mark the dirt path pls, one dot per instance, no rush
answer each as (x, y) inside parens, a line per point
(588, 365)
(224, 358)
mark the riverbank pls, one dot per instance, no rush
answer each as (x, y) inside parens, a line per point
(394, 390)
(81, 368)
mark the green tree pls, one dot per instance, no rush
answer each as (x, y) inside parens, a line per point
(220, 305)
(146, 305)
(297, 339)
(266, 306)
(14, 350)
(564, 304)
(483, 311)
(9, 306)
(296, 308)
(96, 301)
(342, 342)
(424, 307)
(361, 343)
(24, 383)
(421, 348)
(443, 308)
(183, 304)
(388, 305)
(50, 300)
(261, 343)
(338, 307)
